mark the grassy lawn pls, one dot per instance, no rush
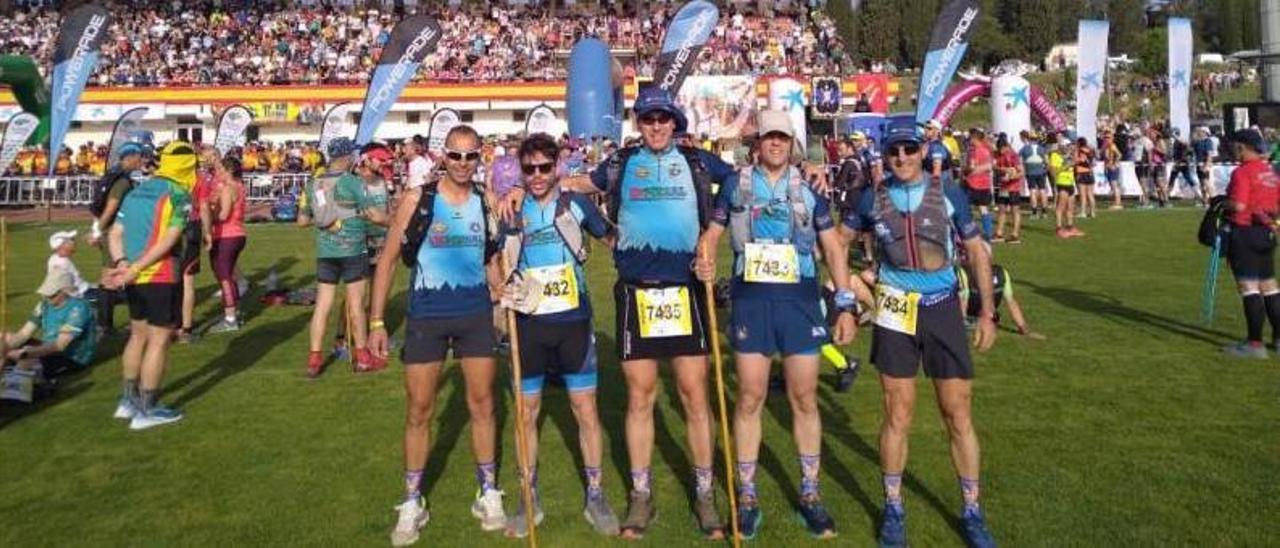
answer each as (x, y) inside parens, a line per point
(1126, 427)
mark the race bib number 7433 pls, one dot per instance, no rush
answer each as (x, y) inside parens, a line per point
(664, 312)
(771, 263)
(896, 309)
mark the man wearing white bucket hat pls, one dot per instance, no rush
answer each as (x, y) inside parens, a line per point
(65, 324)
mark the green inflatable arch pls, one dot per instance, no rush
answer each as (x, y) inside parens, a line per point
(21, 75)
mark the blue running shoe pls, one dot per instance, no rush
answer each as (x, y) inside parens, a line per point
(893, 530)
(975, 530)
(816, 519)
(749, 518)
(156, 416)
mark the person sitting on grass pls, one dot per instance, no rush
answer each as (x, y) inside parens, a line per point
(1002, 292)
(66, 324)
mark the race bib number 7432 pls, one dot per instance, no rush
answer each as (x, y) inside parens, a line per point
(664, 312)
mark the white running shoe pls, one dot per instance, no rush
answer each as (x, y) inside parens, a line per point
(125, 410)
(413, 517)
(157, 416)
(488, 509)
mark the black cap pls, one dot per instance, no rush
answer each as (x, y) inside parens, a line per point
(1250, 138)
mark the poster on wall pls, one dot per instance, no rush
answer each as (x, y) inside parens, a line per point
(721, 107)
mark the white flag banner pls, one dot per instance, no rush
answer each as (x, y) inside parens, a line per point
(233, 128)
(1090, 76)
(787, 95)
(541, 119)
(1180, 75)
(16, 133)
(335, 125)
(442, 122)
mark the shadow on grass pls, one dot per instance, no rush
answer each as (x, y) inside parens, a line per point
(1115, 309)
(448, 429)
(243, 352)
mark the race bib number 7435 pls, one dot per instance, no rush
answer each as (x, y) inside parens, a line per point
(664, 312)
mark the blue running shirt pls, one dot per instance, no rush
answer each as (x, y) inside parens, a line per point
(450, 279)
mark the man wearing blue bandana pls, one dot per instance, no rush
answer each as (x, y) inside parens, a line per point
(775, 224)
(914, 218)
(659, 201)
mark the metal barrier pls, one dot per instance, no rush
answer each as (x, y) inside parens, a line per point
(268, 187)
(56, 191)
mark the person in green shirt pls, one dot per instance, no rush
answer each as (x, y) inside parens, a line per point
(337, 205)
(65, 323)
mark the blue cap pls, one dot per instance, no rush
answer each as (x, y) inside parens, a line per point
(341, 146)
(902, 132)
(130, 148)
(1251, 138)
(653, 99)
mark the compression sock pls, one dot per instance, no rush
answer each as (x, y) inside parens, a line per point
(1272, 302)
(412, 484)
(594, 479)
(833, 355)
(702, 479)
(146, 400)
(487, 476)
(810, 465)
(969, 489)
(892, 490)
(640, 480)
(747, 480)
(987, 227)
(129, 390)
(1255, 313)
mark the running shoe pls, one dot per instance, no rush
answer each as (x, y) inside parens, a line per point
(1074, 232)
(1062, 233)
(640, 514)
(749, 518)
(998, 239)
(366, 363)
(156, 416)
(893, 530)
(601, 516)
(125, 410)
(315, 364)
(1246, 350)
(488, 509)
(225, 326)
(816, 519)
(847, 375)
(517, 523)
(1014, 240)
(413, 516)
(708, 517)
(340, 352)
(975, 530)
(185, 336)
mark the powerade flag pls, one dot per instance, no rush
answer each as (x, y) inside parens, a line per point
(412, 40)
(334, 126)
(129, 124)
(540, 120)
(947, 44)
(682, 43)
(442, 122)
(20, 128)
(73, 61)
(233, 128)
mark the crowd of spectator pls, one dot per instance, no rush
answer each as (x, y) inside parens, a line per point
(228, 42)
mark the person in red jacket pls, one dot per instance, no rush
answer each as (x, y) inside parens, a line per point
(1253, 204)
(1009, 198)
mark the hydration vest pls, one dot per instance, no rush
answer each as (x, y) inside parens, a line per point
(416, 231)
(743, 213)
(566, 225)
(916, 240)
(616, 166)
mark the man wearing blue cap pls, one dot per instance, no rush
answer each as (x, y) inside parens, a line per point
(659, 204)
(108, 192)
(337, 204)
(914, 218)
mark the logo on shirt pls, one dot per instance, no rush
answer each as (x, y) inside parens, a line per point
(675, 170)
(642, 173)
(475, 227)
(439, 228)
(658, 193)
(456, 240)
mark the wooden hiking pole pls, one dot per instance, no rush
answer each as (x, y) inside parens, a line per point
(4, 284)
(522, 444)
(714, 334)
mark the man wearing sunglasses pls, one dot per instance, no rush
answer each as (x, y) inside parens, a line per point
(659, 195)
(915, 218)
(450, 308)
(775, 225)
(546, 247)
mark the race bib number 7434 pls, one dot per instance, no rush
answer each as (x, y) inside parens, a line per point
(664, 312)
(896, 309)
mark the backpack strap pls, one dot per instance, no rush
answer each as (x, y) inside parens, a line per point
(742, 211)
(615, 167)
(490, 224)
(569, 228)
(419, 223)
(701, 183)
(803, 234)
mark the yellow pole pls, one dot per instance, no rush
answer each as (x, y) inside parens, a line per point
(522, 455)
(714, 335)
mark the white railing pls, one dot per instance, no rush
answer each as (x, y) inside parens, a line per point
(54, 191)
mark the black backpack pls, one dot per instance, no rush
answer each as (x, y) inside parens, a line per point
(616, 167)
(102, 188)
(1214, 223)
(416, 232)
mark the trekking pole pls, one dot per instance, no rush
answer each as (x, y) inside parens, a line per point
(4, 284)
(714, 332)
(522, 455)
(1210, 290)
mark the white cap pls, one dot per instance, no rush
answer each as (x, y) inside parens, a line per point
(56, 280)
(59, 238)
(933, 124)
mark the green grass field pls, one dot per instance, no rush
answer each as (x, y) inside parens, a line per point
(1126, 427)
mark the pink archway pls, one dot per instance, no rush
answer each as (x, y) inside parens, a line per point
(961, 94)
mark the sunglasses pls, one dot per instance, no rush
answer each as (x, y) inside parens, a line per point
(655, 118)
(909, 149)
(544, 168)
(462, 156)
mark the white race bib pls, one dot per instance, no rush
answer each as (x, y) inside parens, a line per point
(559, 288)
(664, 312)
(771, 263)
(897, 310)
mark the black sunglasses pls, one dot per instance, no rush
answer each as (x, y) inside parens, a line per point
(460, 156)
(908, 149)
(543, 168)
(656, 118)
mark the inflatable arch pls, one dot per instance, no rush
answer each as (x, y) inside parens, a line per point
(23, 78)
(1023, 98)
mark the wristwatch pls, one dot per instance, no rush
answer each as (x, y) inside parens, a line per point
(846, 301)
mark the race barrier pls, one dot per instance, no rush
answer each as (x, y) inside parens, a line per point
(77, 190)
